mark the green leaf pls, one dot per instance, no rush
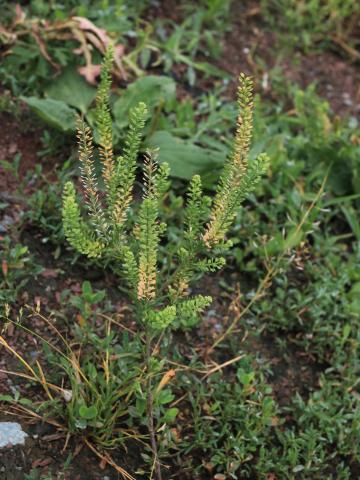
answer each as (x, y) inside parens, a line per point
(6, 398)
(153, 90)
(98, 296)
(88, 413)
(140, 406)
(92, 371)
(54, 112)
(346, 332)
(294, 238)
(186, 159)
(87, 288)
(246, 378)
(170, 414)
(354, 297)
(165, 396)
(298, 468)
(71, 89)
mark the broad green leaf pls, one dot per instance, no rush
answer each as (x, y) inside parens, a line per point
(245, 377)
(72, 89)
(170, 414)
(6, 398)
(58, 114)
(186, 159)
(354, 297)
(86, 288)
(140, 406)
(346, 332)
(294, 238)
(165, 396)
(153, 90)
(88, 413)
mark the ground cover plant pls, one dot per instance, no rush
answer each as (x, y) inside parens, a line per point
(150, 327)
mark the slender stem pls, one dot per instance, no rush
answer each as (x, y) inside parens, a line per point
(150, 409)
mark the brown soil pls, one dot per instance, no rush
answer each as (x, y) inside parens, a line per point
(44, 451)
(337, 79)
(19, 138)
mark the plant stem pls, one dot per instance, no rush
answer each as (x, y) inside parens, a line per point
(150, 409)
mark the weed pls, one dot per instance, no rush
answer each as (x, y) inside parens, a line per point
(86, 303)
(317, 309)
(157, 300)
(231, 422)
(17, 266)
(318, 22)
(12, 167)
(36, 475)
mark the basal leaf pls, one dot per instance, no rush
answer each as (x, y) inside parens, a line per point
(72, 89)
(55, 112)
(88, 413)
(153, 90)
(187, 159)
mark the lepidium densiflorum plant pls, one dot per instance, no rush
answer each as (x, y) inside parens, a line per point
(125, 232)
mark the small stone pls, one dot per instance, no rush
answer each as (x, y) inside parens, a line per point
(11, 434)
(67, 394)
(13, 148)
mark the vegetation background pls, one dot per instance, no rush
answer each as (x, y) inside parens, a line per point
(265, 383)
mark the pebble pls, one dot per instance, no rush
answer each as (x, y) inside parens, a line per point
(12, 434)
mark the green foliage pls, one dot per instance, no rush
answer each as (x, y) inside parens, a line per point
(178, 152)
(231, 422)
(227, 423)
(180, 43)
(17, 267)
(36, 475)
(188, 310)
(44, 212)
(322, 441)
(158, 91)
(318, 309)
(63, 87)
(76, 230)
(106, 233)
(55, 112)
(308, 23)
(87, 302)
(34, 59)
(96, 400)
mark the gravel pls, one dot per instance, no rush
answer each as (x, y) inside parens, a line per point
(11, 434)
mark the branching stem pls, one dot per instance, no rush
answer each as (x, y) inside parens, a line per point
(150, 407)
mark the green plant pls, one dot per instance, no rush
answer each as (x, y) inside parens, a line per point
(16, 267)
(12, 167)
(33, 36)
(179, 44)
(97, 400)
(316, 307)
(86, 302)
(36, 475)
(126, 235)
(231, 422)
(309, 23)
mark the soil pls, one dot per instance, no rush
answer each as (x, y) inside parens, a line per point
(248, 39)
(22, 139)
(337, 78)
